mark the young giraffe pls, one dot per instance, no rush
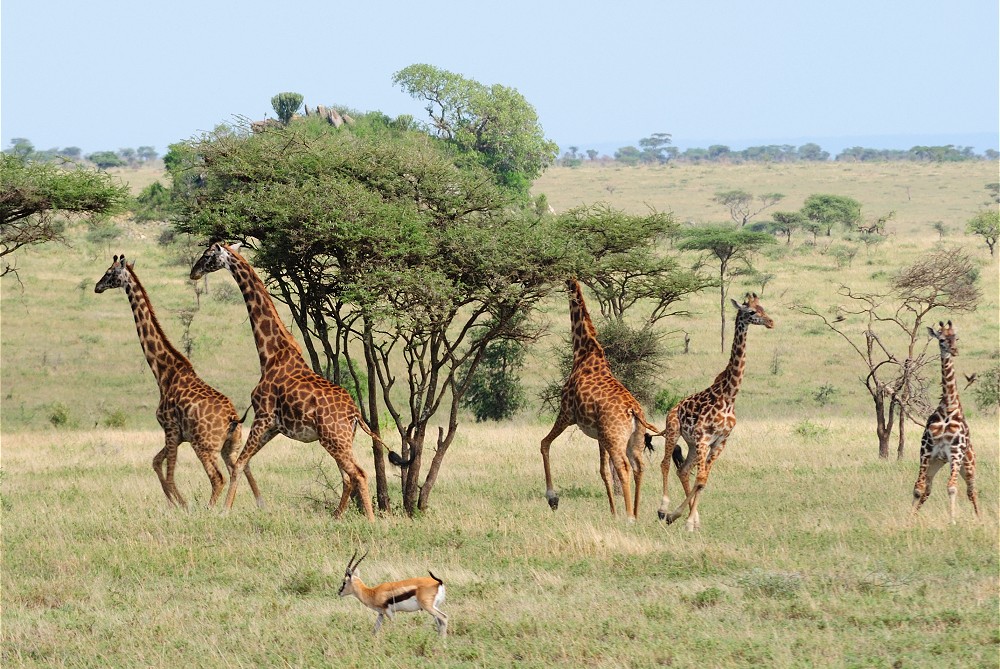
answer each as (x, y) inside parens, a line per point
(190, 409)
(603, 408)
(946, 438)
(706, 419)
(290, 398)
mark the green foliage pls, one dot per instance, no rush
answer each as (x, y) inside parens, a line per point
(825, 394)
(58, 415)
(493, 123)
(31, 194)
(666, 399)
(105, 159)
(285, 105)
(825, 211)
(987, 389)
(811, 431)
(116, 419)
(495, 391)
(771, 584)
(153, 203)
(104, 232)
(986, 224)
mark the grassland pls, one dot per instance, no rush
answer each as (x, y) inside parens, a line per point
(807, 556)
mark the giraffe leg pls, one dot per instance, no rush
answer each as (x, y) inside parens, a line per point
(158, 462)
(620, 463)
(925, 478)
(954, 466)
(969, 474)
(215, 477)
(261, 432)
(229, 457)
(171, 467)
(562, 422)
(635, 448)
(672, 434)
(606, 476)
(340, 447)
(691, 500)
(713, 454)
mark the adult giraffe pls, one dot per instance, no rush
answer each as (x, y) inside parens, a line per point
(946, 437)
(290, 398)
(602, 407)
(189, 409)
(706, 419)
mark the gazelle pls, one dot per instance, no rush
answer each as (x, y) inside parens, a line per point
(412, 594)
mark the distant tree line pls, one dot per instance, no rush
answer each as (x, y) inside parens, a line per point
(124, 157)
(656, 150)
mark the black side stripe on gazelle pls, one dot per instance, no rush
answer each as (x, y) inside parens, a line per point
(402, 597)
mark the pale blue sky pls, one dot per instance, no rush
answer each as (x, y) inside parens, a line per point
(103, 74)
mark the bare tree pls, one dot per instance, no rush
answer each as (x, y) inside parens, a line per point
(895, 380)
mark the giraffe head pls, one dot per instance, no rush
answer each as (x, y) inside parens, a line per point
(752, 311)
(115, 277)
(946, 338)
(217, 256)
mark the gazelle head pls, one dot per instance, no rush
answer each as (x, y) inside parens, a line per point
(114, 277)
(753, 311)
(350, 575)
(946, 338)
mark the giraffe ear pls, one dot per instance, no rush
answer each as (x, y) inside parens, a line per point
(736, 304)
(930, 332)
(236, 246)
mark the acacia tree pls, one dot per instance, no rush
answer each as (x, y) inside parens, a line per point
(33, 195)
(785, 223)
(389, 256)
(895, 379)
(743, 206)
(826, 211)
(727, 245)
(986, 224)
(493, 124)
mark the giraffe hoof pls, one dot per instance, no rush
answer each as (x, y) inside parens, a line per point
(661, 515)
(553, 501)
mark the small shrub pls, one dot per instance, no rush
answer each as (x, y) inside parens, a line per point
(304, 582)
(104, 233)
(666, 399)
(810, 430)
(495, 391)
(824, 395)
(707, 597)
(59, 415)
(227, 293)
(115, 419)
(987, 390)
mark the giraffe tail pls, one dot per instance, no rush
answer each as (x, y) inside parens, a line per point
(677, 456)
(395, 458)
(235, 422)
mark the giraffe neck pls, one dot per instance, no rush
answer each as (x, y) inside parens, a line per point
(728, 382)
(585, 343)
(161, 355)
(269, 332)
(949, 390)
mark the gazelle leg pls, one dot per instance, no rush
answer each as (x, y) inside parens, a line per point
(378, 624)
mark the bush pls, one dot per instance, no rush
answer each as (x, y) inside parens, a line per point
(987, 390)
(59, 415)
(666, 400)
(825, 394)
(115, 419)
(495, 391)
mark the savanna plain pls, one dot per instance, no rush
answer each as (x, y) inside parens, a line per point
(808, 554)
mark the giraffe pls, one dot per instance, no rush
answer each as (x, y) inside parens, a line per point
(706, 419)
(602, 407)
(189, 409)
(946, 438)
(290, 398)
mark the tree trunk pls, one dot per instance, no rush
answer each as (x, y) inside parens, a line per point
(381, 484)
(722, 306)
(883, 426)
(902, 434)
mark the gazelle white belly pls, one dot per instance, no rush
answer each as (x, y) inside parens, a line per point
(404, 605)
